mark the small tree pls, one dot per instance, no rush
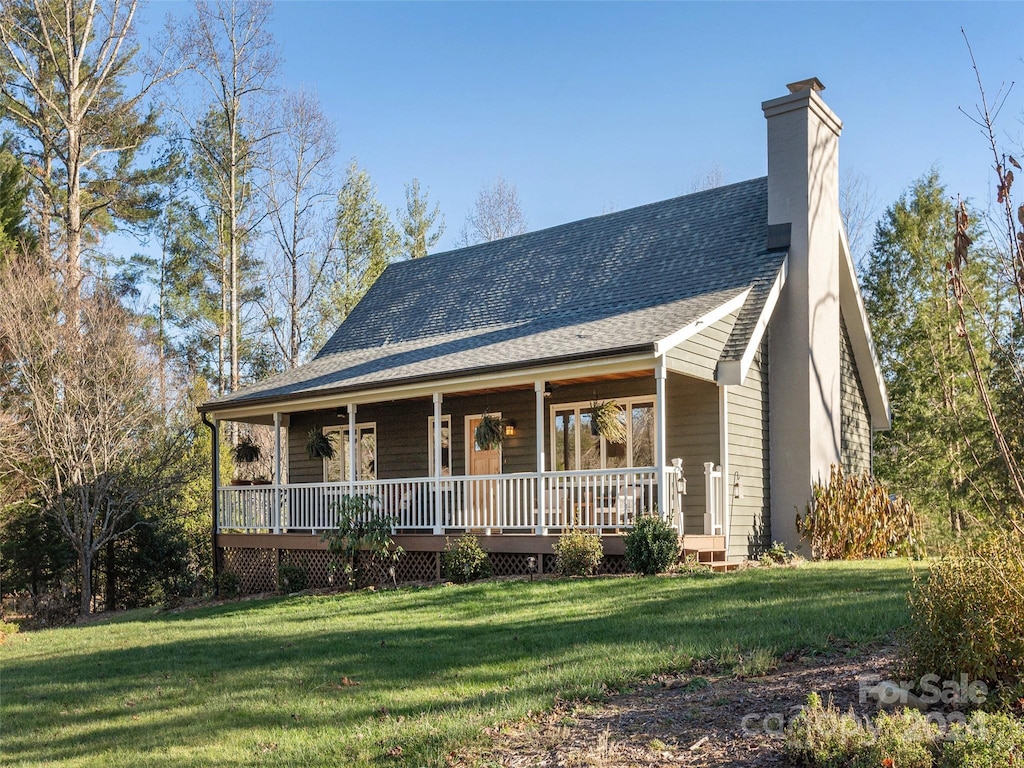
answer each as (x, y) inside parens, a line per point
(418, 222)
(495, 214)
(363, 541)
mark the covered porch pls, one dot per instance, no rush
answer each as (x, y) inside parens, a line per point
(550, 473)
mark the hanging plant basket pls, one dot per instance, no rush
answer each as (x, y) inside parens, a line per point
(246, 452)
(489, 432)
(319, 445)
(604, 421)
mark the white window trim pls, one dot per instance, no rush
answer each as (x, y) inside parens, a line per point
(446, 420)
(342, 431)
(584, 405)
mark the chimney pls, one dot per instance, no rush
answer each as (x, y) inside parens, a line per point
(804, 374)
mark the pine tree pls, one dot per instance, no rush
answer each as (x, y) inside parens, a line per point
(417, 221)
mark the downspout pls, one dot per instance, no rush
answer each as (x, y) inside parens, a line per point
(215, 476)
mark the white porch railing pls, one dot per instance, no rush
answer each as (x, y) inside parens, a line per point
(593, 499)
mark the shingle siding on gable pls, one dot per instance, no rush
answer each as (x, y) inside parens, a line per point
(855, 430)
(750, 519)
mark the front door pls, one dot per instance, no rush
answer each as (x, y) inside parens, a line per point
(482, 498)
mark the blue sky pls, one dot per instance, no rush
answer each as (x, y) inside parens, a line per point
(589, 107)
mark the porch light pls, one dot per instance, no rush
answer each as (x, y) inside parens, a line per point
(510, 428)
(737, 492)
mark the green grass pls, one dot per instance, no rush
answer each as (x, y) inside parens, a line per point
(260, 682)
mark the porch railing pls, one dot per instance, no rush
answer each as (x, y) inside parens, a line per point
(593, 499)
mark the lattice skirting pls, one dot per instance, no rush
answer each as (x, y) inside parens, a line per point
(259, 570)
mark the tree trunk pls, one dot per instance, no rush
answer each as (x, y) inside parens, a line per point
(110, 600)
(85, 564)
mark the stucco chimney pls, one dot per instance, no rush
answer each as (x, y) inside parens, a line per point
(804, 372)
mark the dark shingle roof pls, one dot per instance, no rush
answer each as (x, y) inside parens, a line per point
(599, 286)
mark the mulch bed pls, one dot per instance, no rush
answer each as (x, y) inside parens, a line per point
(694, 720)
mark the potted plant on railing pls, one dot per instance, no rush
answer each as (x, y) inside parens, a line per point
(604, 421)
(489, 432)
(320, 445)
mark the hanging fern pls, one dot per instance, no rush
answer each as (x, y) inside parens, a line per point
(489, 432)
(319, 445)
(604, 420)
(246, 452)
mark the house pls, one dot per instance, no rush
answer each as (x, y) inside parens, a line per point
(727, 326)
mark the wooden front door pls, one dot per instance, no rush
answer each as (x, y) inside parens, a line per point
(482, 499)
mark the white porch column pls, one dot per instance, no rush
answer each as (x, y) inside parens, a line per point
(277, 472)
(352, 447)
(660, 451)
(438, 512)
(218, 498)
(538, 389)
(725, 500)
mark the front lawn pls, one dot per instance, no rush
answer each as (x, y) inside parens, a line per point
(401, 677)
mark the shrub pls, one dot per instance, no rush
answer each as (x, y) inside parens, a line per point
(291, 577)
(904, 738)
(363, 541)
(776, 554)
(578, 553)
(652, 546)
(229, 584)
(852, 517)
(824, 737)
(968, 618)
(463, 560)
(988, 741)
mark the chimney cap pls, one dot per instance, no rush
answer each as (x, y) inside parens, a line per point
(811, 83)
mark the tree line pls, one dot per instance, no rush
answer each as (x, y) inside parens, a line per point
(259, 246)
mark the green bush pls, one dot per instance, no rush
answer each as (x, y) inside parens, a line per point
(988, 741)
(229, 584)
(363, 542)
(904, 738)
(652, 546)
(824, 737)
(967, 618)
(578, 553)
(463, 560)
(851, 517)
(776, 554)
(291, 577)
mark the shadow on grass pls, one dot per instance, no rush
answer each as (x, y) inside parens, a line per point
(460, 655)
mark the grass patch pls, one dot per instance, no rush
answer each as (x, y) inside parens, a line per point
(401, 677)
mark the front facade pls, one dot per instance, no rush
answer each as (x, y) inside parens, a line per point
(726, 326)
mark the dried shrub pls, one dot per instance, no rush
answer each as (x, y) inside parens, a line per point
(464, 560)
(652, 545)
(853, 517)
(968, 618)
(578, 553)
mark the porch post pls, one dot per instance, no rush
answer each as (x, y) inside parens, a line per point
(277, 472)
(538, 389)
(660, 451)
(438, 513)
(725, 499)
(352, 474)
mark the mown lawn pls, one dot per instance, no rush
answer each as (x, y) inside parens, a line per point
(400, 677)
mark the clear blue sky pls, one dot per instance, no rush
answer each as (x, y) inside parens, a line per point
(588, 107)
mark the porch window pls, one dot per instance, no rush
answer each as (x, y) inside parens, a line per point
(446, 443)
(575, 446)
(336, 469)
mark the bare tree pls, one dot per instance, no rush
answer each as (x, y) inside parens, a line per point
(298, 196)
(71, 65)
(228, 46)
(78, 425)
(495, 214)
(708, 178)
(858, 206)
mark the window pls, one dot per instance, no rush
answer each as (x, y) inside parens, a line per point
(575, 446)
(336, 469)
(446, 445)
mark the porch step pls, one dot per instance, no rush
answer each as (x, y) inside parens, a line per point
(709, 550)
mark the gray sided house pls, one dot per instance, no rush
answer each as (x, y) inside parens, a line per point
(724, 331)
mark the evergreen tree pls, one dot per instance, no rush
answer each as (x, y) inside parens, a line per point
(936, 441)
(417, 221)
